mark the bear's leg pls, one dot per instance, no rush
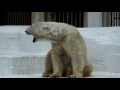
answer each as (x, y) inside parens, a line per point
(87, 70)
(57, 66)
(75, 52)
(77, 66)
(48, 65)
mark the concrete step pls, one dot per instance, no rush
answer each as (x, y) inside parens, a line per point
(19, 56)
(21, 63)
(14, 38)
(31, 65)
(93, 75)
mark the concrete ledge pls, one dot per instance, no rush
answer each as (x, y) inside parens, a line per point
(19, 56)
(93, 75)
(21, 63)
(103, 45)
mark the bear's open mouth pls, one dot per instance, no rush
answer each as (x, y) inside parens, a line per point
(34, 39)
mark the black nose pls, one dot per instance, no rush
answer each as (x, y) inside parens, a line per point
(26, 32)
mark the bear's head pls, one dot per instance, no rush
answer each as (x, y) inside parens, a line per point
(39, 31)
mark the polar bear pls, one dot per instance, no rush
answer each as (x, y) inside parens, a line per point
(68, 56)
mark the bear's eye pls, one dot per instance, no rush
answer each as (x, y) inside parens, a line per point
(31, 27)
(45, 27)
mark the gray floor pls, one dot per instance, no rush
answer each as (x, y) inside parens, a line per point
(93, 75)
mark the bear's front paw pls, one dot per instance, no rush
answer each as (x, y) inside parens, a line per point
(76, 75)
(46, 74)
(55, 75)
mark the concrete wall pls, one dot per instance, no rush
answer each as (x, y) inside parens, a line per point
(93, 19)
(18, 55)
(103, 44)
(37, 16)
(13, 38)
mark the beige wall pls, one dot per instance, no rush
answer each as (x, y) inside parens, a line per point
(37, 16)
(92, 19)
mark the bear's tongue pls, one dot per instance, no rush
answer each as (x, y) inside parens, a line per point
(34, 40)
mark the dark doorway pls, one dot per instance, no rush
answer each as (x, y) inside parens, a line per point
(73, 18)
(2, 18)
(24, 18)
(15, 18)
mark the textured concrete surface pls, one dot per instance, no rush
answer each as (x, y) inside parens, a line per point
(94, 19)
(19, 57)
(93, 75)
(103, 46)
(19, 63)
